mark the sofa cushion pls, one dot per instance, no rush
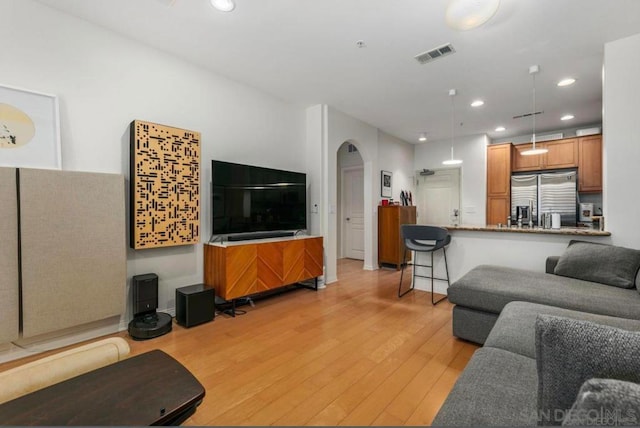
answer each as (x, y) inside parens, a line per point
(605, 402)
(606, 264)
(497, 388)
(490, 288)
(569, 352)
(515, 329)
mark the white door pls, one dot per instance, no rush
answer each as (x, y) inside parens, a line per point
(438, 198)
(353, 212)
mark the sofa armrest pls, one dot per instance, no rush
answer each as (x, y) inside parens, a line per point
(552, 261)
(59, 367)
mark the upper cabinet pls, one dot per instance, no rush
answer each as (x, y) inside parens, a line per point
(561, 154)
(525, 163)
(590, 165)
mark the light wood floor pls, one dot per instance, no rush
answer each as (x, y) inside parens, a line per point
(350, 354)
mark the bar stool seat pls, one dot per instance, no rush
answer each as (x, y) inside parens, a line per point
(420, 238)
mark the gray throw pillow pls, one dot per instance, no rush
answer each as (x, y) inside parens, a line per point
(569, 352)
(606, 264)
(605, 402)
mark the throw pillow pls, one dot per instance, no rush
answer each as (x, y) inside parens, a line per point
(605, 402)
(569, 352)
(606, 264)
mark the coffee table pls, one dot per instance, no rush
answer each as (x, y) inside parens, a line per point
(148, 389)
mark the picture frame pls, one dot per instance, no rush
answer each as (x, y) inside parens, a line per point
(29, 129)
(385, 183)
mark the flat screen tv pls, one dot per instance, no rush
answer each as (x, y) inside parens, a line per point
(249, 199)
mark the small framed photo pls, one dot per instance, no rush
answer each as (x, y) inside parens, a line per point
(29, 129)
(385, 184)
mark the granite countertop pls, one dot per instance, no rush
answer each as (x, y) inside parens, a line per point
(578, 231)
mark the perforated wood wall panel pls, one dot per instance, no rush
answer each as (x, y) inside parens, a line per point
(9, 300)
(165, 186)
(73, 248)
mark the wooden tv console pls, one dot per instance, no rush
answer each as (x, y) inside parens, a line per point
(239, 269)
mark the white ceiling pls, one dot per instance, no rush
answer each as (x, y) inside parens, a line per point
(305, 52)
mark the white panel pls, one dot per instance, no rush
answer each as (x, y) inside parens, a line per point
(73, 248)
(9, 299)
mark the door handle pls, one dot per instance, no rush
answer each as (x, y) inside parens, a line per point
(348, 218)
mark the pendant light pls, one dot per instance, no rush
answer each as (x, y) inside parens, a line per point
(533, 70)
(452, 161)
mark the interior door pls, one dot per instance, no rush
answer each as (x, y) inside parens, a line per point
(438, 200)
(353, 212)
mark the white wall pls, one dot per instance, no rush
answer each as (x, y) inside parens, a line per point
(622, 140)
(105, 81)
(396, 155)
(472, 151)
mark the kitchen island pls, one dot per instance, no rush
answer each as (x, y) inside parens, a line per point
(524, 248)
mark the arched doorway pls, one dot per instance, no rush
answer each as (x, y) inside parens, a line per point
(350, 198)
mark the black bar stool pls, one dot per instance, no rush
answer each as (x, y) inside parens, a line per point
(414, 237)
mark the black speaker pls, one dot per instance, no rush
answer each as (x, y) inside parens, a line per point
(195, 304)
(145, 293)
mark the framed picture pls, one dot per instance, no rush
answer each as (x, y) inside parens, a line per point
(29, 129)
(385, 184)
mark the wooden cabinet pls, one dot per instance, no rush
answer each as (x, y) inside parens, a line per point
(241, 269)
(498, 208)
(561, 154)
(590, 164)
(526, 163)
(498, 182)
(390, 244)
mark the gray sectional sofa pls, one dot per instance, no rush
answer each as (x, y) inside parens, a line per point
(519, 316)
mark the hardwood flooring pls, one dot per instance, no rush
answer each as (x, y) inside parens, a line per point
(350, 354)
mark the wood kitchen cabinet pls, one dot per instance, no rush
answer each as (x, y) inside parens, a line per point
(561, 154)
(390, 243)
(590, 164)
(498, 182)
(525, 163)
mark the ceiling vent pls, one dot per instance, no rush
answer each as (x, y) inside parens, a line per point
(520, 116)
(436, 53)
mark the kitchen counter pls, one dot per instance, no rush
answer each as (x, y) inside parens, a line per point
(577, 231)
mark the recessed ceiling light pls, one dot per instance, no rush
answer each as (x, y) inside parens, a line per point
(223, 5)
(567, 82)
(422, 138)
(501, 129)
(477, 103)
(567, 117)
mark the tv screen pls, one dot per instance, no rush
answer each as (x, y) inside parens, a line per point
(253, 199)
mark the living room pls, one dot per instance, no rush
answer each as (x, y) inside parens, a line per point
(104, 80)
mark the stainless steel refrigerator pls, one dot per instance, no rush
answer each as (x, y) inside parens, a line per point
(548, 192)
